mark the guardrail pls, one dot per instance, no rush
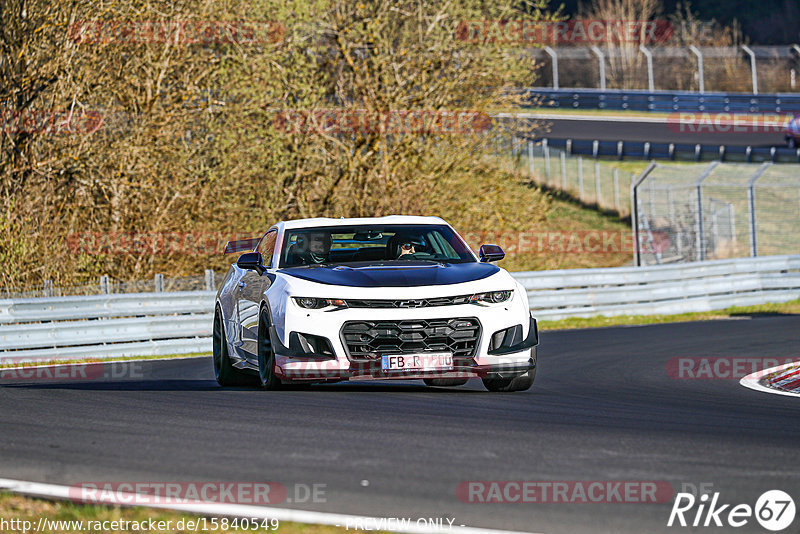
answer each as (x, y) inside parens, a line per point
(675, 151)
(665, 289)
(98, 326)
(664, 101)
(176, 323)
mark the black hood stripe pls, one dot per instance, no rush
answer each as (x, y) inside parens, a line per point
(394, 275)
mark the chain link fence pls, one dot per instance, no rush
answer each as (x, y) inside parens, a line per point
(716, 211)
(105, 285)
(593, 182)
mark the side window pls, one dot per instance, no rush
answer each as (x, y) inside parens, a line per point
(267, 246)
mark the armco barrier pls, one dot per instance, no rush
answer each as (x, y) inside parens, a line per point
(100, 326)
(665, 289)
(174, 323)
(674, 151)
(664, 101)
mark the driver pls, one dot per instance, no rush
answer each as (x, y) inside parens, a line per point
(405, 244)
(313, 248)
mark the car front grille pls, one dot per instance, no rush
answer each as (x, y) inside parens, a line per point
(367, 341)
(408, 303)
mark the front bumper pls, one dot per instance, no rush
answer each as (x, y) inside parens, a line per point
(295, 364)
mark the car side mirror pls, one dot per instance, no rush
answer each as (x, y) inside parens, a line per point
(251, 261)
(489, 253)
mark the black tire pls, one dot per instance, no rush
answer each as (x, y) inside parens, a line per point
(522, 382)
(444, 382)
(266, 356)
(224, 372)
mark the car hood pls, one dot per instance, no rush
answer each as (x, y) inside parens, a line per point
(413, 274)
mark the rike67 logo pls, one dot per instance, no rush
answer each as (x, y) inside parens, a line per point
(774, 510)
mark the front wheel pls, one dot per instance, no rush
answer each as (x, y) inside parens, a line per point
(266, 355)
(224, 372)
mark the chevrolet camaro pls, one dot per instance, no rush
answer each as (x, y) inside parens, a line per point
(397, 297)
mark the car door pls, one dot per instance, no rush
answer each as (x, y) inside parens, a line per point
(251, 288)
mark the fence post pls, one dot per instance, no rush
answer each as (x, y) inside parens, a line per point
(530, 159)
(699, 240)
(602, 58)
(159, 283)
(700, 68)
(751, 203)
(597, 183)
(650, 79)
(554, 57)
(753, 69)
(563, 171)
(652, 199)
(210, 282)
(104, 286)
(48, 288)
(732, 222)
(637, 256)
(616, 189)
(580, 178)
(715, 227)
(671, 207)
(679, 233)
(546, 151)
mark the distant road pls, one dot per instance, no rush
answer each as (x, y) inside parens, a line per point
(655, 130)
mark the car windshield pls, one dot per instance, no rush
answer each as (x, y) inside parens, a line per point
(374, 244)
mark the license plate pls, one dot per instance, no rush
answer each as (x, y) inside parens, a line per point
(418, 362)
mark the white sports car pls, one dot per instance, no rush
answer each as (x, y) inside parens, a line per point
(399, 297)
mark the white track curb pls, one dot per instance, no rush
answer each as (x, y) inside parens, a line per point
(753, 381)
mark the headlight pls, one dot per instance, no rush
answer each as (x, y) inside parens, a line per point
(312, 303)
(493, 297)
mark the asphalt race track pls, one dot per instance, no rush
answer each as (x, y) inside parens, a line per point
(656, 132)
(603, 408)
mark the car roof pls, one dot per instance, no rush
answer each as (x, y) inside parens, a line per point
(329, 221)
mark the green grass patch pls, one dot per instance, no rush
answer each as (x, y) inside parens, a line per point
(785, 308)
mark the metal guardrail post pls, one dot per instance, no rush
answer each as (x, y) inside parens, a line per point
(48, 288)
(753, 69)
(554, 58)
(699, 239)
(210, 282)
(650, 78)
(637, 257)
(159, 283)
(751, 204)
(700, 67)
(602, 59)
(563, 171)
(104, 286)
